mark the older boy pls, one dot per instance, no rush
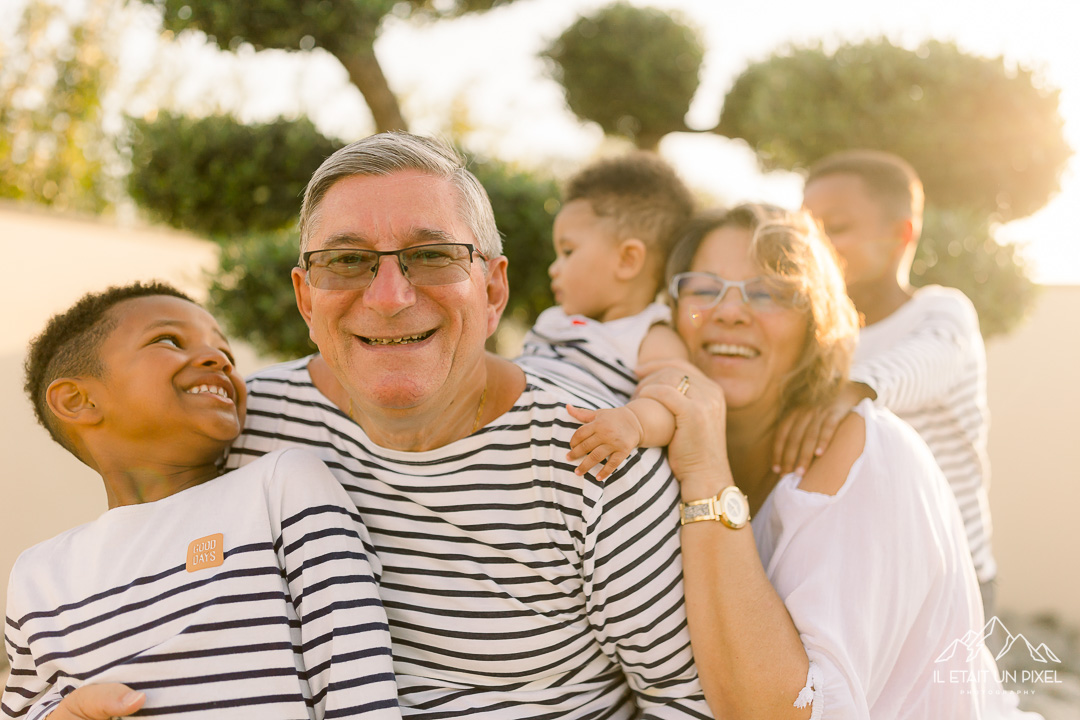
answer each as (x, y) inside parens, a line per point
(920, 353)
(243, 595)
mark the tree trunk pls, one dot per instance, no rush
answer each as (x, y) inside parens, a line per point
(367, 75)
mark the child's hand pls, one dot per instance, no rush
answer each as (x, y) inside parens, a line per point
(98, 702)
(805, 432)
(610, 433)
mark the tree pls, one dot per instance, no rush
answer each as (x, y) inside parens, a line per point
(632, 70)
(981, 136)
(986, 139)
(217, 177)
(987, 142)
(53, 149)
(347, 29)
(208, 176)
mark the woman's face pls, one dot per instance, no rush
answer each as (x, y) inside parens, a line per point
(747, 350)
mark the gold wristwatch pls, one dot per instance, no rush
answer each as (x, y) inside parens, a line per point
(729, 507)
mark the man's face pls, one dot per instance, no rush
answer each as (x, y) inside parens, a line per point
(394, 344)
(856, 223)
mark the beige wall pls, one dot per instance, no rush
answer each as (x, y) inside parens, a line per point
(1034, 393)
(52, 261)
(1034, 398)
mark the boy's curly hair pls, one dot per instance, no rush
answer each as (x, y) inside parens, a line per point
(70, 345)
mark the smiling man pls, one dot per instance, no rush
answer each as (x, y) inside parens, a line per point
(514, 589)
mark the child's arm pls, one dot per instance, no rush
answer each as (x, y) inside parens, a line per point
(924, 366)
(104, 701)
(30, 696)
(613, 433)
(24, 687)
(345, 635)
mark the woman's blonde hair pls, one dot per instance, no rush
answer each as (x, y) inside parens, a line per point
(789, 248)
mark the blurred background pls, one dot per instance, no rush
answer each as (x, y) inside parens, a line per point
(172, 140)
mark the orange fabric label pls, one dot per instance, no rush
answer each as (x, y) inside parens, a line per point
(206, 552)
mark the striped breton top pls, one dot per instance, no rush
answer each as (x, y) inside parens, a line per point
(927, 364)
(581, 352)
(514, 588)
(249, 597)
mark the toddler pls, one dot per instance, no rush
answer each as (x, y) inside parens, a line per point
(618, 221)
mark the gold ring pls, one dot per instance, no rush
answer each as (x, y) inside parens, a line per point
(684, 384)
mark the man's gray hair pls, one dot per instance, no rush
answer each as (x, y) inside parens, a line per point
(391, 152)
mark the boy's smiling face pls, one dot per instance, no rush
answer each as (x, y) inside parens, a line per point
(169, 381)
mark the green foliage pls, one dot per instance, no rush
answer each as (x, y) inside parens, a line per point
(986, 141)
(957, 249)
(283, 24)
(219, 177)
(525, 207)
(632, 70)
(980, 135)
(440, 9)
(52, 147)
(252, 293)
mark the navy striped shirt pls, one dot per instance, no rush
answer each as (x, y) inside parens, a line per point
(513, 588)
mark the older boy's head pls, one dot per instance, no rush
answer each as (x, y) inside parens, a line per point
(70, 346)
(642, 196)
(870, 204)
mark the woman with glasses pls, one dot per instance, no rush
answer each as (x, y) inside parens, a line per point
(851, 594)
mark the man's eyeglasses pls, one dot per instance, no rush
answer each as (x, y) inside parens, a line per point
(701, 291)
(354, 269)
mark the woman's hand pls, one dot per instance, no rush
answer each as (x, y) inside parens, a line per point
(698, 451)
(98, 702)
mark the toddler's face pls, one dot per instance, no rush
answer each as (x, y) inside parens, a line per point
(586, 257)
(170, 382)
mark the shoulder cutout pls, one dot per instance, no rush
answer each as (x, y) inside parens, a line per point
(828, 473)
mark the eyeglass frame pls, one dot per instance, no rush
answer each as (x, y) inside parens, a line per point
(305, 261)
(726, 285)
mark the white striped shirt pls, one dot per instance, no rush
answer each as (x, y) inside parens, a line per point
(514, 588)
(582, 352)
(248, 597)
(927, 364)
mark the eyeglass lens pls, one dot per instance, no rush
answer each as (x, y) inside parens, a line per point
(704, 290)
(352, 268)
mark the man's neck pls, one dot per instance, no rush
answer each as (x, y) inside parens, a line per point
(489, 393)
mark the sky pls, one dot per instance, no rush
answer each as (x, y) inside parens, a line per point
(483, 72)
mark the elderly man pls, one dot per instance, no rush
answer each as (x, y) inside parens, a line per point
(514, 588)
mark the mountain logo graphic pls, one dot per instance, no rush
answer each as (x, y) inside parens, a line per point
(996, 631)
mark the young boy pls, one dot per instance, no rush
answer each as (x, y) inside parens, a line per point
(920, 353)
(243, 595)
(618, 222)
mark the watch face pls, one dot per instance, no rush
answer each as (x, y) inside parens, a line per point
(735, 508)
